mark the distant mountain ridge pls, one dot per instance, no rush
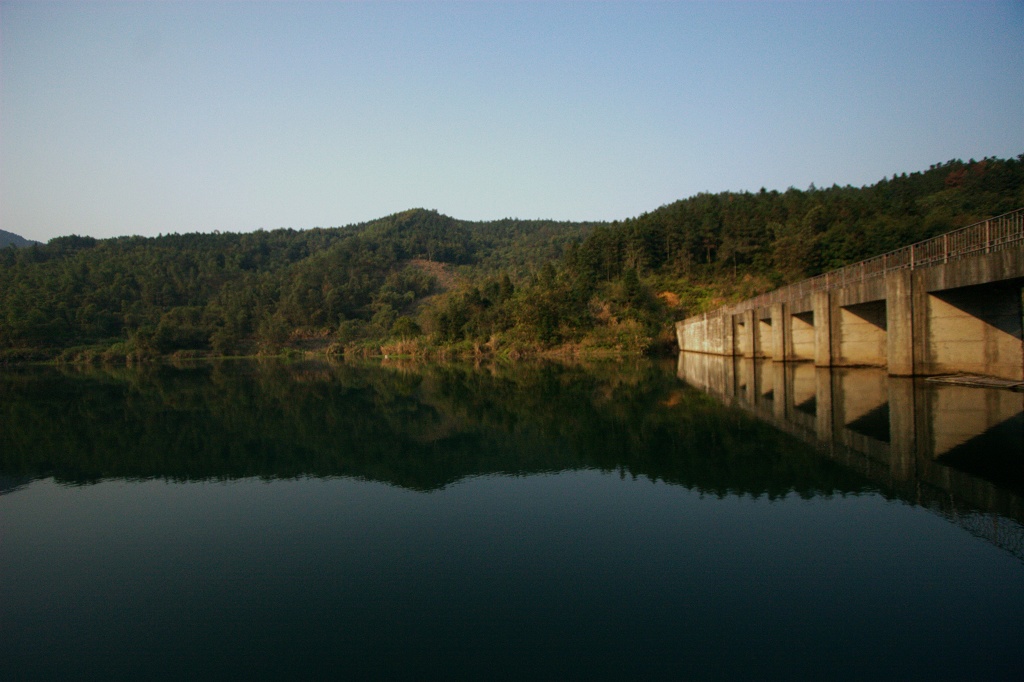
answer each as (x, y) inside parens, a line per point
(9, 238)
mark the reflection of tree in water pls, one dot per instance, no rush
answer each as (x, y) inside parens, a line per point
(421, 428)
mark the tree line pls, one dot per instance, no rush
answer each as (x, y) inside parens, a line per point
(422, 282)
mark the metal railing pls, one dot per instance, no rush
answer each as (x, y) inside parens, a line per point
(995, 234)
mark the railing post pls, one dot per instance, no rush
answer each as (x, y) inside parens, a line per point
(988, 238)
(945, 248)
(911, 256)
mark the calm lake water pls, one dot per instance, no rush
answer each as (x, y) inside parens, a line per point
(704, 519)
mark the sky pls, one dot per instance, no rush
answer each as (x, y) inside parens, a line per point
(157, 117)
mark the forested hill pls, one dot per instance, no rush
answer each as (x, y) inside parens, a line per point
(11, 239)
(257, 292)
(421, 282)
(794, 234)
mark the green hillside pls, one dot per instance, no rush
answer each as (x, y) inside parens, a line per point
(419, 282)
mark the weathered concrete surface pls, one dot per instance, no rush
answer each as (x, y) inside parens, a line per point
(899, 341)
(801, 336)
(744, 330)
(973, 329)
(751, 338)
(822, 309)
(856, 293)
(780, 332)
(764, 335)
(980, 269)
(707, 333)
(859, 335)
(963, 316)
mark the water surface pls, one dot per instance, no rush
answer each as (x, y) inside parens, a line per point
(305, 520)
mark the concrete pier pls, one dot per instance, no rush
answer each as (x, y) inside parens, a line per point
(948, 305)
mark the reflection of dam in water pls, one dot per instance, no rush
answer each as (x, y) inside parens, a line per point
(958, 450)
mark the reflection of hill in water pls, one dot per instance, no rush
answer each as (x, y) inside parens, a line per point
(418, 428)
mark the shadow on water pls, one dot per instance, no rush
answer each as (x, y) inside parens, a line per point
(957, 450)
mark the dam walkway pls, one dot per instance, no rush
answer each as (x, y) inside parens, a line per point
(951, 304)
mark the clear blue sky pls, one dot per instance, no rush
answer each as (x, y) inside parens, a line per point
(146, 117)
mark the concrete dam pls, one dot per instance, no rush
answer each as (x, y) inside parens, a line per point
(948, 305)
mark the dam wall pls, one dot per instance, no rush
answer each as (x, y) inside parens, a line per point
(951, 304)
